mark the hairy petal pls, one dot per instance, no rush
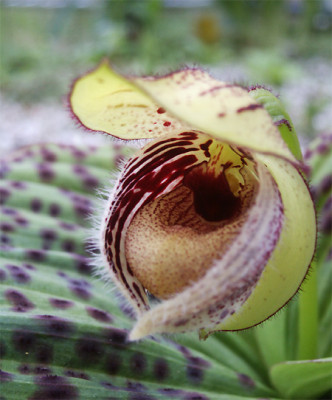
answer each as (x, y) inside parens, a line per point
(292, 256)
(227, 284)
(103, 100)
(225, 111)
(155, 171)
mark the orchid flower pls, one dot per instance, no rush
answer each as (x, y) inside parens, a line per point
(210, 225)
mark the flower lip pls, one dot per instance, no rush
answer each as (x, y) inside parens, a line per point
(213, 198)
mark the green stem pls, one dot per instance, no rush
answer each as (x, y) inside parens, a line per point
(308, 317)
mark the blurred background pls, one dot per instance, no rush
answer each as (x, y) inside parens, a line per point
(284, 44)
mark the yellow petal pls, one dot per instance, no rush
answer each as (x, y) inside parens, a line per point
(225, 111)
(102, 100)
(289, 263)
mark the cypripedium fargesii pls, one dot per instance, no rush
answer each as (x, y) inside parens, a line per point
(212, 217)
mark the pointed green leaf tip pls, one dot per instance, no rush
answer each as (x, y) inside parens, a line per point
(280, 118)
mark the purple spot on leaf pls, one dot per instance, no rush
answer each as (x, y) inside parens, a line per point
(2, 275)
(18, 300)
(99, 315)
(113, 364)
(246, 381)
(21, 221)
(89, 350)
(18, 274)
(138, 363)
(60, 303)
(35, 255)
(4, 194)
(35, 205)
(54, 210)
(160, 369)
(56, 325)
(45, 172)
(53, 387)
(24, 341)
(18, 185)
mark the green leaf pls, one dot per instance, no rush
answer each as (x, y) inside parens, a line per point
(280, 118)
(302, 379)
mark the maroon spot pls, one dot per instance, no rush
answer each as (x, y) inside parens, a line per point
(30, 267)
(116, 337)
(18, 274)
(199, 362)
(55, 325)
(35, 205)
(4, 169)
(67, 226)
(167, 123)
(53, 387)
(35, 255)
(160, 369)
(18, 185)
(41, 370)
(8, 211)
(195, 373)
(284, 122)
(44, 354)
(90, 181)
(76, 374)
(24, 341)
(80, 292)
(21, 221)
(5, 376)
(138, 363)
(68, 245)
(246, 381)
(251, 107)
(48, 234)
(79, 154)
(161, 110)
(89, 350)
(99, 315)
(113, 364)
(24, 369)
(80, 288)
(5, 240)
(48, 155)
(60, 303)
(79, 169)
(82, 210)
(82, 264)
(6, 227)
(2, 275)
(45, 172)
(18, 300)
(4, 194)
(54, 209)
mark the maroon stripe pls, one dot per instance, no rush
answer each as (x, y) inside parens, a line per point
(251, 107)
